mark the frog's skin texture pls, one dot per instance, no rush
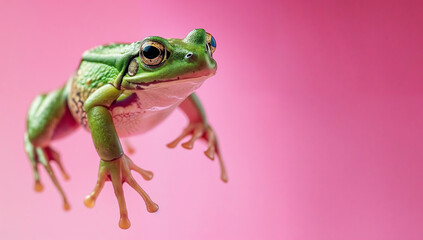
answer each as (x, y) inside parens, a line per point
(121, 90)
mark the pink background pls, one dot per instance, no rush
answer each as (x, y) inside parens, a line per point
(318, 105)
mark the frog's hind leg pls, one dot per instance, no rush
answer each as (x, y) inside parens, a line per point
(48, 118)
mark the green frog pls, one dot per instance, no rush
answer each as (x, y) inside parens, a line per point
(121, 90)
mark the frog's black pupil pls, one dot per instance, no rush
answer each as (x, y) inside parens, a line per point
(150, 52)
(212, 42)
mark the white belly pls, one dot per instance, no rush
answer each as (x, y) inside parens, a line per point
(152, 106)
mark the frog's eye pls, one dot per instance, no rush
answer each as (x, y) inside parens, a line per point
(211, 43)
(153, 53)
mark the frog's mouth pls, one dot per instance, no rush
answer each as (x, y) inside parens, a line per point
(194, 78)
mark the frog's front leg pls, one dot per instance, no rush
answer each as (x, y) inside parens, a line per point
(114, 164)
(198, 127)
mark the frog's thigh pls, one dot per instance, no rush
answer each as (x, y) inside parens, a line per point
(44, 114)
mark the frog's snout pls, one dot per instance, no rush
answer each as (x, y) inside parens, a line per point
(207, 43)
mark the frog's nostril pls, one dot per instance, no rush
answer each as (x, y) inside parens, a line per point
(190, 57)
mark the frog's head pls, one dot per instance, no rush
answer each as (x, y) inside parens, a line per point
(164, 62)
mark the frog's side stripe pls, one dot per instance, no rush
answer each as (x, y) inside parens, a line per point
(79, 109)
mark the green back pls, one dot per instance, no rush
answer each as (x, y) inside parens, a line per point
(115, 55)
(105, 64)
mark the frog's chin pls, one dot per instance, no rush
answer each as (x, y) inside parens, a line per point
(193, 78)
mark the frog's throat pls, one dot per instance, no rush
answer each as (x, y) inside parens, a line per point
(192, 77)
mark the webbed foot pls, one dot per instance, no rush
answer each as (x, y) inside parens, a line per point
(119, 171)
(200, 130)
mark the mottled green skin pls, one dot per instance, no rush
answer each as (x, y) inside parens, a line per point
(107, 64)
(101, 79)
(102, 82)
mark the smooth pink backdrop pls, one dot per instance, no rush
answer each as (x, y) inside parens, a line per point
(318, 106)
